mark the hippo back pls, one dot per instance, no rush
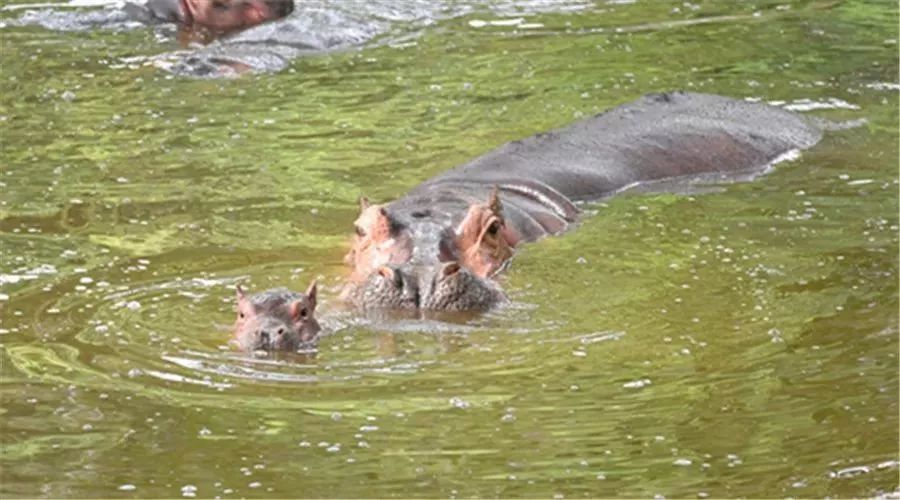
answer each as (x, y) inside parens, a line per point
(656, 137)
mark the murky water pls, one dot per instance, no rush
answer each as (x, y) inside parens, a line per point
(740, 342)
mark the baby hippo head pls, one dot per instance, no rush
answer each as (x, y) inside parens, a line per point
(276, 320)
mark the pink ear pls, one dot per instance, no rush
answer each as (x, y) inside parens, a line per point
(363, 203)
(494, 201)
(244, 307)
(311, 291)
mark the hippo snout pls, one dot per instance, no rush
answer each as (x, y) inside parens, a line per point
(446, 286)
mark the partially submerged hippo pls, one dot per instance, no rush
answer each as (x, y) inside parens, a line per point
(314, 27)
(276, 320)
(205, 20)
(196, 20)
(440, 246)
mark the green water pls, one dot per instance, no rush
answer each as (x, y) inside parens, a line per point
(741, 342)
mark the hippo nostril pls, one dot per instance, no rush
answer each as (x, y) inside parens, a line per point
(281, 331)
(264, 337)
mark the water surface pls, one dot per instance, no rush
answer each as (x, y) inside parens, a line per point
(739, 342)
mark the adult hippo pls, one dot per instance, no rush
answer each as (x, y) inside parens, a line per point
(196, 20)
(204, 20)
(440, 246)
(313, 27)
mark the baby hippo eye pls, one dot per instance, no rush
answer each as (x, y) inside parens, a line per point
(360, 232)
(494, 228)
(241, 314)
(281, 331)
(303, 313)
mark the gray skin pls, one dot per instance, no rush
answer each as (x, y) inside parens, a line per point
(540, 179)
(276, 320)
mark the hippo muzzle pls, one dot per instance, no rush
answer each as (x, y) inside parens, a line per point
(441, 287)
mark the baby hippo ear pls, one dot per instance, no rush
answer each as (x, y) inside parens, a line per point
(363, 204)
(244, 307)
(311, 295)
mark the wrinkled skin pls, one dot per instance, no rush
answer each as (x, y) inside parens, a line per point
(276, 320)
(440, 246)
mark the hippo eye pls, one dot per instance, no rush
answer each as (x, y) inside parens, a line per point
(303, 312)
(494, 228)
(220, 5)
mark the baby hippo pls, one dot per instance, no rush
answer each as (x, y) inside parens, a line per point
(276, 320)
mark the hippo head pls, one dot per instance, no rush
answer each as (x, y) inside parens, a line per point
(276, 320)
(227, 16)
(424, 259)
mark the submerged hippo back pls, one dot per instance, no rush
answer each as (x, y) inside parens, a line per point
(656, 137)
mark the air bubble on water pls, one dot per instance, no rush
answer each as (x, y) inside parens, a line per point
(336, 416)
(368, 428)
(683, 462)
(189, 490)
(460, 403)
(637, 384)
(254, 484)
(304, 444)
(850, 472)
(334, 448)
(127, 487)
(204, 432)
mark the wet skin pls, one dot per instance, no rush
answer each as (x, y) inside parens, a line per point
(203, 20)
(276, 320)
(441, 246)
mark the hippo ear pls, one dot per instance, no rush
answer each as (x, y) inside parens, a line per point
(494, 201)
(244, 307)
(311, 291)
